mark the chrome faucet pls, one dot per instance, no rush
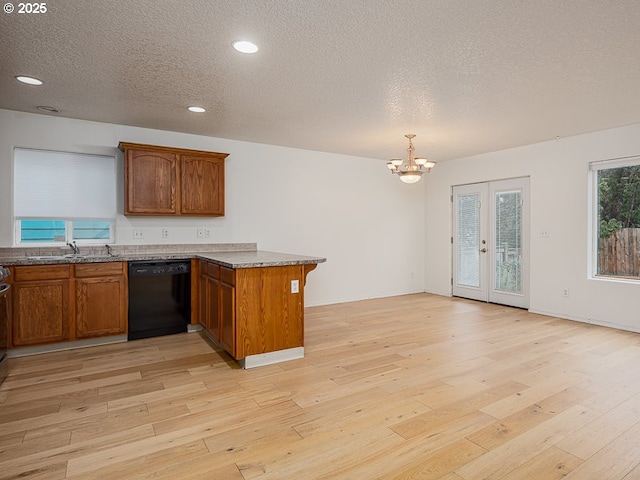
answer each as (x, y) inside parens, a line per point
(74, 247)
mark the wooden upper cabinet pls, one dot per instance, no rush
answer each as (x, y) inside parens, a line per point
(202, 186)
(151, 180)
(172, 181)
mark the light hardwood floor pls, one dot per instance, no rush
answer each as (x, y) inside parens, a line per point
(410, 387)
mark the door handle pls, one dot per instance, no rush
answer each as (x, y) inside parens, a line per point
(483, 250)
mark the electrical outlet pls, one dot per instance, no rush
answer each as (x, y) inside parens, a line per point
(565, 292)
(165, 233)
(295, 286)
(200, 233)
(207, 233)
(137, 234)
(544, 234)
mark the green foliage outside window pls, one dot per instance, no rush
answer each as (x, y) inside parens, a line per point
(618, 199)
(618, 249)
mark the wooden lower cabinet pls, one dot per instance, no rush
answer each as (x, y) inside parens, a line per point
(268, 316)
(250, 311)
(58, 303)
(203, 316)
(226, 309)
(209, 299)
(41, 304)
(214, 301)
(101, 299)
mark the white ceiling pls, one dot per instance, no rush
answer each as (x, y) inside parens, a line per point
(345, 76)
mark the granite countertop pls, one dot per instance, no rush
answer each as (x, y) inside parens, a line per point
(228, 255)
(258, 258)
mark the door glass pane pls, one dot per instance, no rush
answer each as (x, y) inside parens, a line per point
(508, 248)
(468, 273)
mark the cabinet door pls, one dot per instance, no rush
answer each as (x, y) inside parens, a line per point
(227, 318)
(40, 312)
(209, 299)
(202, 185)
(213, 313)
(101, 306)
(203, 297)
(151, 185)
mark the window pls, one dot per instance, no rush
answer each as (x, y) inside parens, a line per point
(617, 217)
(37, 232)
(61, 197)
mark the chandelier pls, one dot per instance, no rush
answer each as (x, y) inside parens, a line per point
(411, 169)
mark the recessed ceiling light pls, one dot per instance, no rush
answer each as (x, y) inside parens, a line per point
(29, 80)
(196, 109)
(245, 47)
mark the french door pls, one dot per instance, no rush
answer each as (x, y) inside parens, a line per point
(491, 242)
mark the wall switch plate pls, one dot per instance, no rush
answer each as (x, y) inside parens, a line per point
(165, 233)
(137, 234)
(295, 286)
(200, 232)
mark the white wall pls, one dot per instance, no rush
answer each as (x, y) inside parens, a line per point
(348, 209)
(368, 224)
(558, 171)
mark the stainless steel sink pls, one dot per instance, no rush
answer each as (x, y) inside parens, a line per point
(95, 257)
(47, 257)
(71, 256)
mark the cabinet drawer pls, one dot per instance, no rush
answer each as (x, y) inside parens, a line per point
(99, 269)
(42, 272)
(228, 275)
(213, 270)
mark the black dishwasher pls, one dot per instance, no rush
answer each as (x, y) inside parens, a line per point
(159, 298)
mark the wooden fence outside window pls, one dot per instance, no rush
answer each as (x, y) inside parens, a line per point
(619, 254)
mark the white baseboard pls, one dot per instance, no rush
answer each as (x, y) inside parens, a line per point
(270, 358)
(590, 321)
(58, 347)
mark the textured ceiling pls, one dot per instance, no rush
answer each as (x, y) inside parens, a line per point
(345, 76)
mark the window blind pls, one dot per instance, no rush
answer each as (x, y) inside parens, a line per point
(50, 184)
(469, 240)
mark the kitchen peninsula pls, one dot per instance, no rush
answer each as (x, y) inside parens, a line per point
(252, 304)
(249, 302)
